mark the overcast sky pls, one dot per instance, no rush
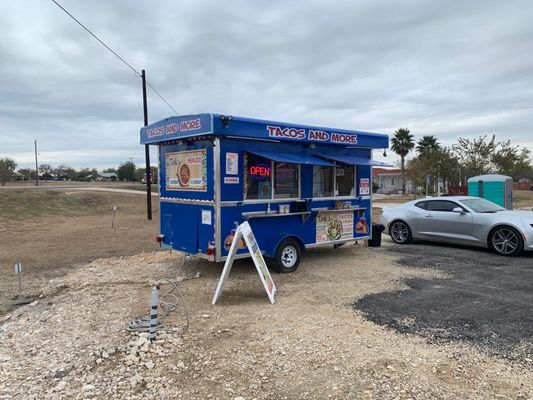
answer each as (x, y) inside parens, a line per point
(445, 68)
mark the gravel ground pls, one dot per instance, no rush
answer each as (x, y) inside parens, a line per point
(71, 343)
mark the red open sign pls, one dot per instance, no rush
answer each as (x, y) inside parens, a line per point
(259, 170)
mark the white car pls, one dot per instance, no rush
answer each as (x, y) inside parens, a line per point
(463, 220)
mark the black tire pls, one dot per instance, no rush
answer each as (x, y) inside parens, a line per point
(506, 241)
(288, 255)
(400, 232)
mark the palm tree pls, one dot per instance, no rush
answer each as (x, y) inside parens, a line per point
(402, 144)
(427, 144)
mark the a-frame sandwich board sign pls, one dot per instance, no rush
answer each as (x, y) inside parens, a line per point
(244, 231)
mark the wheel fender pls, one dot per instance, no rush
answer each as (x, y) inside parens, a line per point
(395, 220)
(291, 236)
(503, 224)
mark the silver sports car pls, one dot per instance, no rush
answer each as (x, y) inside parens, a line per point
(463, 220)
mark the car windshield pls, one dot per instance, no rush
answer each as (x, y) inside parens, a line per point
(482, 206)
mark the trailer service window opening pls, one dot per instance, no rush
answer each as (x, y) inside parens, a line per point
(336, 181)
(266, 179)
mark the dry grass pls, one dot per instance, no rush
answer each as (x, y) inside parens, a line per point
(50, 232)
(29, 204)
(523, 199)
(396, 199)
(376, 214)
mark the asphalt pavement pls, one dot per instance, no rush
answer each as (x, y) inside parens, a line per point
(488, 300)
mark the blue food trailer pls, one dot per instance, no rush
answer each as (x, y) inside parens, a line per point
(298, 186)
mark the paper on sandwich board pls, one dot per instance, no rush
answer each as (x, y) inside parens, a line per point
(245, 232)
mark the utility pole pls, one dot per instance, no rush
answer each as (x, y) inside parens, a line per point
(36, 165)
(147, 154)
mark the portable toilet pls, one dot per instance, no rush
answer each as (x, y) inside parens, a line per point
(496, 188)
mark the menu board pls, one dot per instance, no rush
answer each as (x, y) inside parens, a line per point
(232, 163)
(186, 170)
(332, 226)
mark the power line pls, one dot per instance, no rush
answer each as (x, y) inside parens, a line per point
(161, 97)
(114, 53)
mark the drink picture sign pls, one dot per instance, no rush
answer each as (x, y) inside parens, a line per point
(186, 170)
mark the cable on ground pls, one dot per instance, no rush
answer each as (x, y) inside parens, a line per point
(168, 303)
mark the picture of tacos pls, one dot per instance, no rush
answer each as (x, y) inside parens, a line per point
(184, 175)
(334, 230)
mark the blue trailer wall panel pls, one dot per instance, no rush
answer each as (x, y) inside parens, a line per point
(179, 224)
(268, 231)
(184, 228)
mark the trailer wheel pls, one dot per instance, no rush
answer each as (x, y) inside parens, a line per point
(287, 256)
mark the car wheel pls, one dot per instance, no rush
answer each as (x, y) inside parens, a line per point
(400, 232)
(506, 241)
(287, 256)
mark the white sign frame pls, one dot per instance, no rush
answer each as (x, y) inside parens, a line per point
(244, 231)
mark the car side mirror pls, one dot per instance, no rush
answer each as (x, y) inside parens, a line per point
(458, 210)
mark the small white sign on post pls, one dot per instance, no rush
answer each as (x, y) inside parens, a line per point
(245, 231)
(20, 300)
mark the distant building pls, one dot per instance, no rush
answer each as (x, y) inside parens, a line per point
(102, 177)
(108, 176)
(390, 180)
(16, 176)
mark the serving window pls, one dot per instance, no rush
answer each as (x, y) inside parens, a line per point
(345, 180)
(266, 179)
(323, 181)
(336, 181)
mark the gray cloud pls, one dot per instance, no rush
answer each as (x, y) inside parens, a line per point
(445, 68)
